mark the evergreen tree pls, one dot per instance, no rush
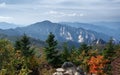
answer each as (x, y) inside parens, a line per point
(108, 53)
(18, 45)
(84, 47)
(109, 50)
(24, 45)
(65, 53)
(74, 55)
(51, 53)
(117, 51)
(84, 56)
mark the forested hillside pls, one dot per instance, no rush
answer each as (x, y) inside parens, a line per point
(22, 58)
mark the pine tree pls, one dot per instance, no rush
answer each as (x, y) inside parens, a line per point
(74, 55)
(26, 53)
(24, 45)
(51, 53)
(108, 54)
(84, 56)
(18, 45)
(65, 53)
(109, 50)
(84, 47)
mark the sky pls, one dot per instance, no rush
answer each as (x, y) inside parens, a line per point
(31, 11)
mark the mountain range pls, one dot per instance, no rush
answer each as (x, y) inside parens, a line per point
(70, 32)
(5, 25)
(108, 28)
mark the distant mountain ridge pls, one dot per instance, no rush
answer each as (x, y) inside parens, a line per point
(5, 25)
(112, 25)
(40, 30)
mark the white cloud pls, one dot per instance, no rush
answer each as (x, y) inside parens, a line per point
(59, 10)
(2, 5)
(65, 14)
(52, 12)
(5, 18)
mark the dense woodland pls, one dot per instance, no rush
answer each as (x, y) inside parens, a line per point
(22, 58)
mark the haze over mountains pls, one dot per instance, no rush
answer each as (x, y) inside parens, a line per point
(64, 31)
(5, 25)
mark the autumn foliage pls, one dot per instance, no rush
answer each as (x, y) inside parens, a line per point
(24, 58)
(97, 64)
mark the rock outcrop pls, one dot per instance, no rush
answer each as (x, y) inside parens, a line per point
(68, 68)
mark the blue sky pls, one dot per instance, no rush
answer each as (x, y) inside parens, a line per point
(30, 11)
